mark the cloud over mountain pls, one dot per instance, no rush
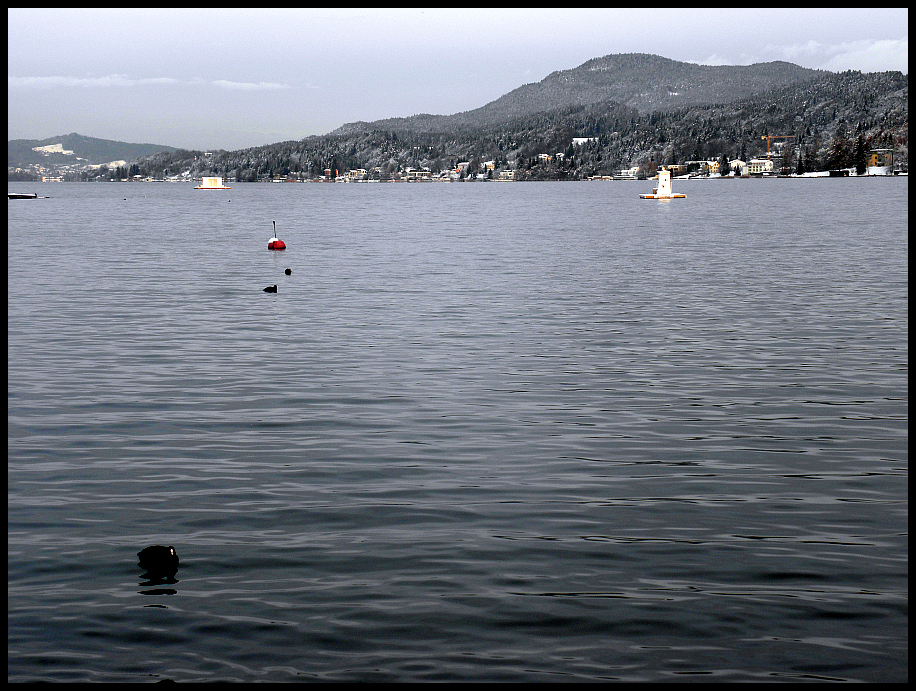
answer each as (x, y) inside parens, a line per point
(125, 81)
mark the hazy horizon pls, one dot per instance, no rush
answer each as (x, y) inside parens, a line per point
(196, 79)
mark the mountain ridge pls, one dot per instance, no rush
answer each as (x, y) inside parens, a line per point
(76, 149)
(642, 81)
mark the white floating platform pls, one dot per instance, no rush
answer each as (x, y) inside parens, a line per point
(212, 184)
(663, 191)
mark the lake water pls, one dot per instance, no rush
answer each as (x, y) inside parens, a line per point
(483, 432)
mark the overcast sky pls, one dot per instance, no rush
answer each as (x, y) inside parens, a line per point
(222, 78)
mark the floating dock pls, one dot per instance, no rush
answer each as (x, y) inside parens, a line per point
(212, 184)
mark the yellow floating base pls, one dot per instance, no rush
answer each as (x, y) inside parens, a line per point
(667, 196)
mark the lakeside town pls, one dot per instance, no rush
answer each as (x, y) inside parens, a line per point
(879, 162)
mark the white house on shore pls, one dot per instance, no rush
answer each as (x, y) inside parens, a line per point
(738, 167)
(760, 166)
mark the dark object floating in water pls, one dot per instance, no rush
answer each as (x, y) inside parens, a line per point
(270, 289)
(289, 271)
(158, 559)
(23, 195)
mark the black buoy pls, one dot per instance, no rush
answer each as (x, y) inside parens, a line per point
(289, 271)
(158, 559)
(270, 289)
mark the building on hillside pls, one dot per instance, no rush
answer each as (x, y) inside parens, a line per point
(703, 167)
(880, 162)
(414, 174)
(627, 173)
(760, 166)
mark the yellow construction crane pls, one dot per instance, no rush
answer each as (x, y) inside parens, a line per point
(776, 136)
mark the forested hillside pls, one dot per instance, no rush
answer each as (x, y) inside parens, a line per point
(645, 82)
(816, 111)
(70, 149)
(615, 112)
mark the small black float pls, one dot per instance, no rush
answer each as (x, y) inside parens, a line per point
(289, 271)
(158, 559)
(270, 289)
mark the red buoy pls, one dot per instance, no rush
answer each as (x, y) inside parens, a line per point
(275, 243)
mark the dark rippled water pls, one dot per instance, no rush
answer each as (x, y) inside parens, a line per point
(483, 432)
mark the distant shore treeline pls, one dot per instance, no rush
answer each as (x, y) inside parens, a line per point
(826, 116)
